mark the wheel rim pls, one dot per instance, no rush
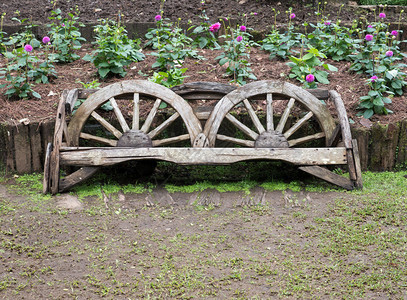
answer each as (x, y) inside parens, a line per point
(271, 94)
(143, 92)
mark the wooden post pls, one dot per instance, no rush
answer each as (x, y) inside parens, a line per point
(383, 146)
(401, 159)
(362, 135)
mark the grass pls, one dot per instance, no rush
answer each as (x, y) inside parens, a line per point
(347, 245)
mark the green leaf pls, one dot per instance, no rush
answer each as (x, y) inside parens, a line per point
(103, 72)
(223, 61)
(368, 113)
(321, 78)
(163, 105)
(88, 57)
(378, 101)
(330, 67)
(36, 95)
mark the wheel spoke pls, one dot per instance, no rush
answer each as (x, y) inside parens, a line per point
(284, 117)
(164, 125)
(95, 138)
(270, 122)
(106, 124)
(151, 115)
(136, 112)
(119, 115)
(253, 116)
(246, 130)
(298, 125)
(171, 140)
(241, 142)
(307, 138)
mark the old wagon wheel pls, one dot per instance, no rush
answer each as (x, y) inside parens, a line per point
(289, 113)
(122, 127)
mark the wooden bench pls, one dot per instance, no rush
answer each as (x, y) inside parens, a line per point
(263, 120)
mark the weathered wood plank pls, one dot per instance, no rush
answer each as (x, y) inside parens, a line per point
(402, 144)
(99, 139)
(246, 130)
(253, 116)
(46, 178)
(269, 110)
(119, 115)
(156, 131)
(22, 149)
(149, 120)
(363, 137)
(236, 141)
(298, 125)
(171, 140)
(327, 175)
(106, 124)
(76, 177)
(36, 149)
(383, 146)
(359, 181)
(305, 139)
(343, 119)
(104, 156)
(284, 117)
(136, 112)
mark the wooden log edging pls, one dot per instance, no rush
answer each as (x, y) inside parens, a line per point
(381, 147)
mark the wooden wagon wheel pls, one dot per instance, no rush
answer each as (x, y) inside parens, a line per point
(288, 111)
(123, 126)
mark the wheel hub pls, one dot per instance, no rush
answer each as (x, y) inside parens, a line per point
(271, 139)
(135, 138)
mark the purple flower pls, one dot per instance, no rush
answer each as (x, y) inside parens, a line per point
(327, 23)
(214, 27)
(28, 48)
(46, 39)
(389, 53)
(239, 38)
(292, 16)
(255, 13)
(157, 18)
(382, 15)
(63, 24)
(369, 37)
(310, 78)
(394, 33)
(242, 28)
(369, 26)
(374, 78)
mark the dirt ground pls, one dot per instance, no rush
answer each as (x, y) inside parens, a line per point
(160, 243)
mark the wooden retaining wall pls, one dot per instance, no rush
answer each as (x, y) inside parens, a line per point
(381, 147)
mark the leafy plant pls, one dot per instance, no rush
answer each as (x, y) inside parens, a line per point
(18, 73)
(236, 56)
(65, 35)
(25, 36)
(172, 77)
(308, 65)
(114, 50)
(375, 101)
(2, 34)
(204, 36)
(171, 45)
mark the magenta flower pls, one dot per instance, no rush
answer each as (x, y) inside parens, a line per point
(46, 39)
(28, 48)
(394, 33)
(63, 24)
(292, 16)
(374, 78)
(242, 28)
(310, 78)
(255, 13)
(369, 37)
(382, 15)
(239, 38)
(369, 26)
(214, 27)
(389, 53)
(327, 23)
(157, 18)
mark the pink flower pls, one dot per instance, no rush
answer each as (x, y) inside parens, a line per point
(46, 39)
(310, 78)
(239, 38)
(292, 16)
(374, 78)
(369, 37)
(28, 48)
(389, 53)
(382, 15)
(242, 28)
(214, 27)
(327, 23)
(157, 18)
(369, 26)
(394, 33)
(63, 24)
(255, 14)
